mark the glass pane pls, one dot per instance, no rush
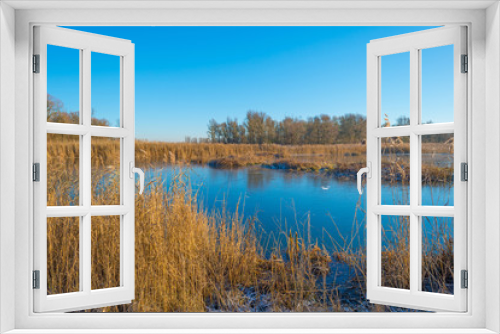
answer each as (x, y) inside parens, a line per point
(437, 169)
(395, 257)
(63, 85)
(105, 252)
(395, 171)
(437, 254)
(63, 255)
(105, 171)
(105, 89)
(437, 84)
(395, 89)
(63, 170)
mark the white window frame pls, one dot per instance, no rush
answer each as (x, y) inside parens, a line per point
(86, 44)
(483, 100)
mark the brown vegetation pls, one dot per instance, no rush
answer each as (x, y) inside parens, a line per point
(341, 160)
(163, 152)
(191, 260)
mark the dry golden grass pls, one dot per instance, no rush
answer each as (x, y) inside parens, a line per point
(395, 258)
(437, 258)
(343, 160)
(63, 255)
(148, 151)
(187, 259)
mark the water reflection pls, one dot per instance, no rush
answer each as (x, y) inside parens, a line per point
(257, 179)
(284, 200)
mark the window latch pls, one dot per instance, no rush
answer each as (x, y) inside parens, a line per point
(132, 171)
(368, 171)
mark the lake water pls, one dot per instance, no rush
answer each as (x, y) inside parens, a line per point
(285, 200)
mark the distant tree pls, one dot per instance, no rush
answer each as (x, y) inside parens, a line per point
(255, 127)
(57, 114)
(298, 132)
(313, 131)
(233, 131)
(212, 130)
(287, 130)
(329, 130)
(352, 128)
(403, 120)
(223, 133)
(269, 129)
(242, 134)
(279, 138)
(98, 121)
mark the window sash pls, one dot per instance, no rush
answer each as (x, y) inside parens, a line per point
(414, 298)
(86, 297)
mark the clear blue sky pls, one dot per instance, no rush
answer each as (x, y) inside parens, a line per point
(188, 75)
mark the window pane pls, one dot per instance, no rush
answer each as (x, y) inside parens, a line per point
(395, 257)
(105, 171)
(395, 171)
(105, 252)
(63, 170)
(63, 85)
(105, 89)
(395, 89)
(437, 169)
(63, 255)
(437, 84)
(437, 254)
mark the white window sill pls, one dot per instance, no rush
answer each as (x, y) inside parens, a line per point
(250, 331)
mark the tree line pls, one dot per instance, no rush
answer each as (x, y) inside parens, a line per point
(260, 128)
(57, 114)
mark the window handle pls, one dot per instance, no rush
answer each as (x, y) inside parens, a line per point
(368, 171)
(134, 170)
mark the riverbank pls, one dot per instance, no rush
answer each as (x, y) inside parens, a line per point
(242, 155)
(340, 160)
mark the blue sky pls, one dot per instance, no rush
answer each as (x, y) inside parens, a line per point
(188, 75)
